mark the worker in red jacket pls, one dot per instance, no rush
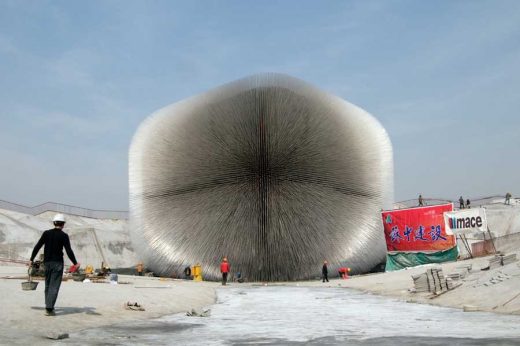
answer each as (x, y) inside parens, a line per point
(224, 269)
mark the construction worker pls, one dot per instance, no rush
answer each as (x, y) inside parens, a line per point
(325, 271)
(343, 272)
(54, 240)
(105, 269)
(187, 273)
(508, 198)
(140, 268)
(461, 203)
(224, 269)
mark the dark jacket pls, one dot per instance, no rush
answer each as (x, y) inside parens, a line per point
(324, 270)
(54, 240)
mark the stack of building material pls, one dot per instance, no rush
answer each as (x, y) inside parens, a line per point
(466, 267)
(495, 262)
(421, 283)
(450, 284)
(432, 281)
(507, 259)
(436, 279)
(502, 260)
(460, 272)
(456, 276)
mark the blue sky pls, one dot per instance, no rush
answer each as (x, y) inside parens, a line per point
(77, 78)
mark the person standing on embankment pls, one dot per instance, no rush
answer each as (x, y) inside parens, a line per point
(461, 202)
(54, 240)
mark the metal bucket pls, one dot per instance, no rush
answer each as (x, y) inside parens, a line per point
(29, 285)
(78, 277)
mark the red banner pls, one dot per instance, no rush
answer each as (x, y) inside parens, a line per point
(417, 229)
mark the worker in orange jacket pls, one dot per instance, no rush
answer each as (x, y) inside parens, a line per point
(140, 268)
(224, 269)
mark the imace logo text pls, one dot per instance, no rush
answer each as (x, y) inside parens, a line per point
(465, 222)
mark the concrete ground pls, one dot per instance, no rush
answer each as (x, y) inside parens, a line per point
(82, 306)
(297, 316)
(495, 290)
(86, 305)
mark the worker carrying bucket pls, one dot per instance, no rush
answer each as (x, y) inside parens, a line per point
(54, 240)
(29, 285)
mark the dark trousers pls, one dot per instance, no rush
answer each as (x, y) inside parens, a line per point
(325, 277)
(224, 278)
(53, 276)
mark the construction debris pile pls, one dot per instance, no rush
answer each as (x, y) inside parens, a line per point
(196, 313)
(433, 280)
(495, 279)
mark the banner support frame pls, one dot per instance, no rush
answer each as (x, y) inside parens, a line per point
(459, 236)
(491, 238)
(466, 244)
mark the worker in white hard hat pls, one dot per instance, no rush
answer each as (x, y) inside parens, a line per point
(54, 240)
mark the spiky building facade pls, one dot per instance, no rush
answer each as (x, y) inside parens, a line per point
(268, 171)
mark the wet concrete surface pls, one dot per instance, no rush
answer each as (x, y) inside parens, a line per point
(311, 316)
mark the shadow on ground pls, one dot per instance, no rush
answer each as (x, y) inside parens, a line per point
(71, 310)
(151, 328)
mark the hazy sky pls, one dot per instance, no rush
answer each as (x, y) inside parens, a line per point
(77, 78)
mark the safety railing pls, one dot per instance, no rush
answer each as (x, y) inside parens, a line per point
(65, 209)
(475, 202)
(123, 215)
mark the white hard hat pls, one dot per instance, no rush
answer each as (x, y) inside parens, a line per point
(59, 218)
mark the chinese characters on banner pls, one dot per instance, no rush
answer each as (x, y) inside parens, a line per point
(417, 229)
